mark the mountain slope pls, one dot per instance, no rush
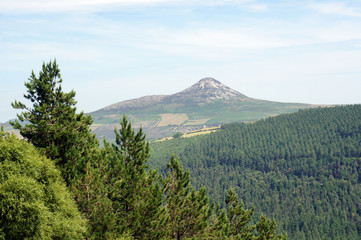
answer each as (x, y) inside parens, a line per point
(303, 169)
(206, 103)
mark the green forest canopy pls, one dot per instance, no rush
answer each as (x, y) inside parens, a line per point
(303, 169)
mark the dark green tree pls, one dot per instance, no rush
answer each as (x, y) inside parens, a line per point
(238, 217)
(177, 135)
(266, 229)
(91, 193)
(235, 222)
(188, 210)
(134, 189)
(52, 123)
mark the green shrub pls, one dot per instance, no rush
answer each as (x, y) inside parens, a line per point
(34, 201)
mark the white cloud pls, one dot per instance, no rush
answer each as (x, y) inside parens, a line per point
(231, 38)
(258, 7)
(214, 43)
(336, 8)
(344, 31)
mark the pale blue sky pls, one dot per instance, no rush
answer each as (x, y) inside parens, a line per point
(113, 50)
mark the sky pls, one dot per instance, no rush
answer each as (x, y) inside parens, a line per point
(114, 50)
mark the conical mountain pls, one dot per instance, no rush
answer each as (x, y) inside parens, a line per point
(206, 103)
(205, 90)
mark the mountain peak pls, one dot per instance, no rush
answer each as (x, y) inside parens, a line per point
(208, 89)
(209, 82)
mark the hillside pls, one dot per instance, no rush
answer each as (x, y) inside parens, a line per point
(206, 103)
(303, 169)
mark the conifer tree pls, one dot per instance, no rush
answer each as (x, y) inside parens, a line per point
(266, 229)
(134, 189)
(91, 193)
(218, 227)
(52, 124)
(188, 210)
(238, 217)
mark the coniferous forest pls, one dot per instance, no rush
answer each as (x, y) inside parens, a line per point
(58, 183)
(302, 169)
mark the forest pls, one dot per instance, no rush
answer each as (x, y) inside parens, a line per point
(59, 183)
(302, 169)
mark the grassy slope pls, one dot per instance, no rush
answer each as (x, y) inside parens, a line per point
(211, 114)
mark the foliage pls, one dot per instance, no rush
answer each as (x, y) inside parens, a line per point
(302, 169)
(162, 150)
(238, 217)
(187, 210)
(34, 201)
(134, 191)
(235, 222)
(177, 135)
(52, 124)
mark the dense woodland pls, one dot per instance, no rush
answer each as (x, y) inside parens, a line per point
(302, 169)
(58, 183)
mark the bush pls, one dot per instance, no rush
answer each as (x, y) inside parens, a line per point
(34, 201)
(178, 135)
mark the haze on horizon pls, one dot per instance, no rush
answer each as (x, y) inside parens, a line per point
(114, 50)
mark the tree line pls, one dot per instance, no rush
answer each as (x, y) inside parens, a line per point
(58, 183)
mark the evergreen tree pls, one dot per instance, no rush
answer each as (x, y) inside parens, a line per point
(238, 217)
(91, 193)
(188, 210)
(52, 123)
(218, 227)
(267, 229)
(134, 189)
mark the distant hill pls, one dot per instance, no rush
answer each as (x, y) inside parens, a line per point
(303, 168)
(204, 104)
(8, 128)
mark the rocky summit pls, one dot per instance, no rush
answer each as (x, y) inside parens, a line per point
(207, 89)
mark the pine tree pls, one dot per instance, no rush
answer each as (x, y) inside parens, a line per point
(238, 217)
(218, 227)
(239, 221)
(267, 229)
(52, 123)
(91, 193)
(133, 188)
(188, 210)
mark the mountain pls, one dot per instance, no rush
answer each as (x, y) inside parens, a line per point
(303, 169)
(206, 103)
